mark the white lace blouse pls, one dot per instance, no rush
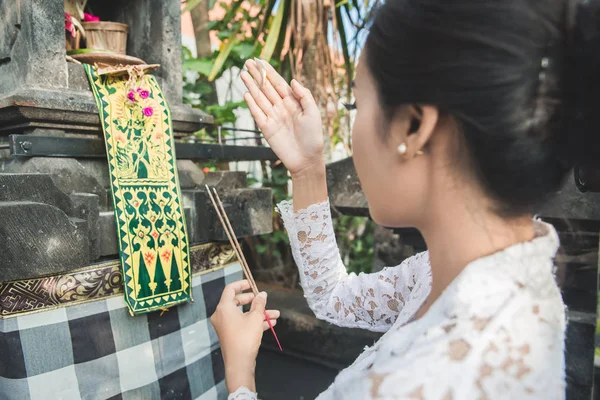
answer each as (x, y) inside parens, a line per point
(496, 332)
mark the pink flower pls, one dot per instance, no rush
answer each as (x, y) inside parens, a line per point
(69, 27)
(90, 18)
(144, 94)
(148, 111)
(131, 96)
(206, 170)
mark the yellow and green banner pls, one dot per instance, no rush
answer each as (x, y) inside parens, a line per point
(153, 242)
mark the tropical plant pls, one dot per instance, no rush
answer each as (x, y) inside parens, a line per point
(314, 41)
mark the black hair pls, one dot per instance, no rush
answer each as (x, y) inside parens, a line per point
(518, 77)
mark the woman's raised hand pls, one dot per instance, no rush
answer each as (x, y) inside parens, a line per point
(287, 116)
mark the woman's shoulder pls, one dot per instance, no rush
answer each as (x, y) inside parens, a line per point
(520, 348)
(419, 261)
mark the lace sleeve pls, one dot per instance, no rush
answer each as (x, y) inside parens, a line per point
(242, 393)
(368, 301)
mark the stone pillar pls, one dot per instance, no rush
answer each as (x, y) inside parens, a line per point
(32, 45)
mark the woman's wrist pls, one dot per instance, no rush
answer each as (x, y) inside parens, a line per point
(309, 186)
(315, 169)
(239, 375)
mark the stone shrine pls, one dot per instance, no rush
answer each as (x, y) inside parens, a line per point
(64, 328)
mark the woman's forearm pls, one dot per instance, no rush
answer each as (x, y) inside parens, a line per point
(309, 186)
(239, 374)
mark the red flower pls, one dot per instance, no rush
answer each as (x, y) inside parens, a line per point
(144, 94)
(135, 204)
(205, 170)
(148, 111)
(90, 18)
(141, 234)
(166, 255)
(152, 219)
(154, 234)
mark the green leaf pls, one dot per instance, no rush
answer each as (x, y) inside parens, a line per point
(83, 51)
(345, 52)
(275, 28)
(221, 58)
(201, 65)
(266, 12)
(191, 4)
(203, 87)
(225, 34)
(262, 248)
(244, 50)
(186, 53)
(211, 26)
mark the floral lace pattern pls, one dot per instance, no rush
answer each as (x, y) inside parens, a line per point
(242, 393)
(368, 301)
(496, 332)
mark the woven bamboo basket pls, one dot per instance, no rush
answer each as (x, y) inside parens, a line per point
(72, 43)
(106, 35)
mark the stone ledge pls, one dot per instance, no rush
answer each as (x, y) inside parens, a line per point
(304, 336)
(346, 196)
(75, 111)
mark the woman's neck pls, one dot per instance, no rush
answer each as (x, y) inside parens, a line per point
(457, 235)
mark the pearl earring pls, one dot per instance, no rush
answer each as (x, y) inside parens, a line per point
(402, 149)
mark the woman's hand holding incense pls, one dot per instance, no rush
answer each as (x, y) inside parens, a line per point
(290, 121)
(240, 333)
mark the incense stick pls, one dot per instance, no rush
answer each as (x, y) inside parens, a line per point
(230, 236)
(238, 250)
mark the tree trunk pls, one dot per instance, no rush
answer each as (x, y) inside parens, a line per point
(200, 21)
(314, 61)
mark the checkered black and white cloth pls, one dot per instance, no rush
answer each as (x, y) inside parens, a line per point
(98, 351)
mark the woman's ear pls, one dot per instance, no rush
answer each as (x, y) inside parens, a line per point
(427, 119)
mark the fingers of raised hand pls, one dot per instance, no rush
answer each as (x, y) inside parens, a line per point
(304, 96)
(259, 116)
(280, 85)
(275, 87)
(258, 96)
(263, 82)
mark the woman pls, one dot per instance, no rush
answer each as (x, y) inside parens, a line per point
(459, 132)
